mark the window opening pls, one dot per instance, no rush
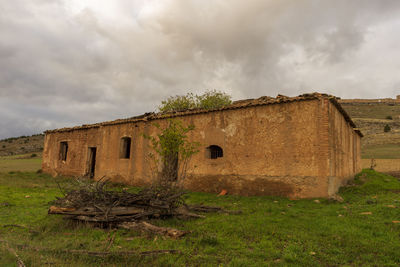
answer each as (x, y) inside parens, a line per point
(125, 150)
(215, 152)
(63, 151)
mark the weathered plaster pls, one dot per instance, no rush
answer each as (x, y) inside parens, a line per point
(299, 149)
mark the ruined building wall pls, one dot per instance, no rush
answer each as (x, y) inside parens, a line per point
(78, 143)
(267, 150)
(278, 149)
(344, 149)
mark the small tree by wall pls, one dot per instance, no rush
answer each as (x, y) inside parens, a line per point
(172, 151)
(387, 128)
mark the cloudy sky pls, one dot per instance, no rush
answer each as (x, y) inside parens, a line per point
(69, 62)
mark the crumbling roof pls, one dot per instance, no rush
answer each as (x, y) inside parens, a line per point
(261, 101)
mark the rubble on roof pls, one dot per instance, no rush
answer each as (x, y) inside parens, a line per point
(263, 100)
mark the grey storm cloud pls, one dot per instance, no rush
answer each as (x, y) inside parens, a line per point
(64, 64)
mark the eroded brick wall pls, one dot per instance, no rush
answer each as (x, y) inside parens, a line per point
(345, 150)
(78, 142)
(279, 149)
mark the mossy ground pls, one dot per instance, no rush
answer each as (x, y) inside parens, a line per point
(271, 230)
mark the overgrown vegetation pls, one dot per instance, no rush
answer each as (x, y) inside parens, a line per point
(171, 151)
(209, 100)
(362, 231)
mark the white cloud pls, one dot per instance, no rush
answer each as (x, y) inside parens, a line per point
(78, 61)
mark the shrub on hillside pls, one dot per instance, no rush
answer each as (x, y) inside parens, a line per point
(389, 117)
(387, 128)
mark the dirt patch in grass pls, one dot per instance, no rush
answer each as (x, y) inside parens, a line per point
(238, 185)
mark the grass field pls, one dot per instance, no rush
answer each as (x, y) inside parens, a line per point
(25, 163)
(271, 231)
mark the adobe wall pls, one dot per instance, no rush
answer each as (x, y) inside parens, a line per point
(344, 150)
(268, 150)
(278, 149)
(78, 143)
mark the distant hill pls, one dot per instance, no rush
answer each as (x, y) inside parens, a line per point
(371, 116)
(21, 145)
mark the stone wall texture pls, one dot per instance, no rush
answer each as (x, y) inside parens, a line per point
(299, 149)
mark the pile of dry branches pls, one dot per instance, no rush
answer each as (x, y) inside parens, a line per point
(94, 203)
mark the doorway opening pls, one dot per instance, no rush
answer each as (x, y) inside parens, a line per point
(92, 161)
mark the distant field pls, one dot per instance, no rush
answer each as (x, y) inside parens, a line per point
(24, 163)
(384, 151)
(382, 165)
(371, 119)
(372, 111)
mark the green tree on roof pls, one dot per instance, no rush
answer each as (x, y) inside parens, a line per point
(209, 100)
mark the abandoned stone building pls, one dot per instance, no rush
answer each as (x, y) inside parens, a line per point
(300, 147)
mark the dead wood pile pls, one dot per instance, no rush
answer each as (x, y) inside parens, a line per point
(93, 203)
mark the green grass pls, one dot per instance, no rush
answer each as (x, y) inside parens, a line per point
(381, 151)
(271, 230)
(20, 163)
